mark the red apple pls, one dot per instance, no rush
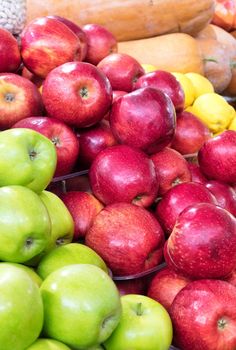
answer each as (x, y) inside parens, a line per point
(197, 175)
(61, 135)
(20, 99)
(203, 242)
(177, 199)
(47, 43)
(78, 31)
(32, 77)
(165, 285)
(123, 174)
(93, 140)
(190, 133)
(144, 118)
(171, 169)
(83, 207)
(217, 157)
(204, 316)
(10, 58)
(231, 278)
(101, 42)
(127, 237)
(224, 194)
(116, 94)
(167, 83)
(122, 70)
(77, 93)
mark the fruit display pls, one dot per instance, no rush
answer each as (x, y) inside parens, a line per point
(117, 178)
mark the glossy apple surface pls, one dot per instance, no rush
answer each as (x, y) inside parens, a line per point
(69, 254)
(144, 325)
(224, 194)
(171, 169)
(81, 306)
(127, 237)
(203, 242)
(77, 93)
(24, 224)
(47, 344)
(197, 175)
(27, 158)
(10, 57)
(204, 316)
(30, 271)
(217, 157)
(20, 99)
(21, 309)
(123, 174)
(144, 118)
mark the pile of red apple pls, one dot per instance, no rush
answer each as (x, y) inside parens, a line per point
(160, 195)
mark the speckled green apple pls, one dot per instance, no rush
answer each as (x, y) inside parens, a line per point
(25, 224)
(72, 253)
(21, 309)
(81, 306)
(27, 158)
(30, 271)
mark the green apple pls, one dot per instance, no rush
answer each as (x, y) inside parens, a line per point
(69, 254)
(21, 309)
(145, 325)
(81, 305)
(62, 223)
(31, 272)
(25, 224)
(27, 158)
(47, 344)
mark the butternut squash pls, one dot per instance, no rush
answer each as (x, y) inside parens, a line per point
(130, 19)
(177, 52)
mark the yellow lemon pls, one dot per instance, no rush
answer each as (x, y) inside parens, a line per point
(148, 67)
(214, 111)
(232, 125)
(201, 84)
(188, 88)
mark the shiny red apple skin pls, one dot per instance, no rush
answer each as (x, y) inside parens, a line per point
(122, 173)
(32, 77)
(197, 175)
(127, 237)
(203, 242)
(165, 285)
(83, 207)
(122, 70)
(10, 58)
(20, 99)
(61, 135)
(93, 140)
(145, 119)
(217, 157)
(116, 94)
(231, 278)
(171, 169)
(224, 194)
(47, 43)
(77, 93)
(167, 83)
(101, 42)
(204, 316)
(78, 31)
(190, 133)
(177, 199)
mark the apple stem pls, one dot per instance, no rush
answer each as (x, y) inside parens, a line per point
(139, 309)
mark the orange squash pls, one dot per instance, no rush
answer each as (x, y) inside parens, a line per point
(130, 19)
(177, 52)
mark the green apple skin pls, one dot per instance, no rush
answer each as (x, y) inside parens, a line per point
(144, 325)
(62, 223)
(21, 309)
(69, 254)
(82, 306)
(25, 224)
(47, 344)
(27, 158)
(31, 272)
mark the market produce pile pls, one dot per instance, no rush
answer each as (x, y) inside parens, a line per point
(117, 186)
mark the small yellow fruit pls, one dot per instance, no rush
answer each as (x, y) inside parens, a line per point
(214, 111)
(148, 67)
(232, 125)
(201, 84)
(188, 88)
